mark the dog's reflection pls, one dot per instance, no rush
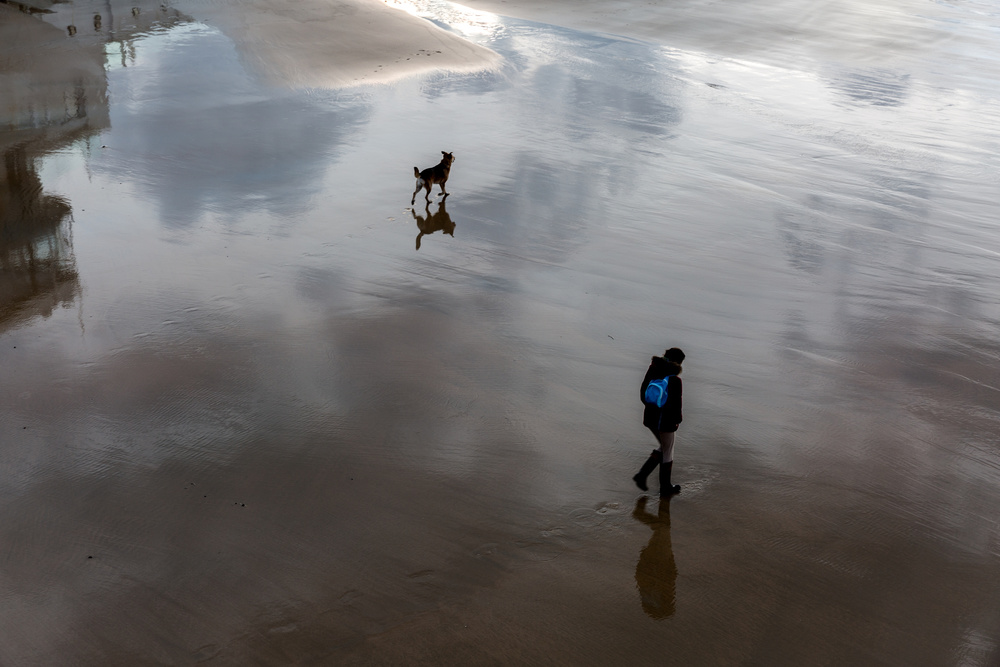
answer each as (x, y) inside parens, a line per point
(656, 572)
(439, 221)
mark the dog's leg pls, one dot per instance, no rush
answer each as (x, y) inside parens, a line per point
(443, 192)
(421, 222)
(427, 196)
(420, 184)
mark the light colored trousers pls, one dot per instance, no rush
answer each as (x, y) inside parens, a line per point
(667, 445)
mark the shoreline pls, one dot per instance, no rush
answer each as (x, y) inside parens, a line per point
(315, 44)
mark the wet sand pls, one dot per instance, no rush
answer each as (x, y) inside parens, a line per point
(257, 410)
(787, 34)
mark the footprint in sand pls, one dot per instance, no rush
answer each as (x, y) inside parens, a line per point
(484, 550)
(422, 574)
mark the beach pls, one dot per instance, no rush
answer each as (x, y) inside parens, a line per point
(256, 408)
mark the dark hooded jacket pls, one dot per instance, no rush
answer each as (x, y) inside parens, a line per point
(669, 416)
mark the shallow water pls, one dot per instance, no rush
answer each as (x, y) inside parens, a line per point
(258, 409)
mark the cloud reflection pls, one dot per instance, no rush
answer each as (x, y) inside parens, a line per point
(203, 138)
(590, 105)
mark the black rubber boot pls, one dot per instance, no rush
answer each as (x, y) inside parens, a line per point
(666, 488)
(640, 477)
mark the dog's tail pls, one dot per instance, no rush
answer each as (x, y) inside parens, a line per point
(416, 172)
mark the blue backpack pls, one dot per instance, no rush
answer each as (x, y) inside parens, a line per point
(656, 392)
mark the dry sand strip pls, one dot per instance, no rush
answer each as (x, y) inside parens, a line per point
(335, 43)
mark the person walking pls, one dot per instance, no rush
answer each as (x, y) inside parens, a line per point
(663, 420)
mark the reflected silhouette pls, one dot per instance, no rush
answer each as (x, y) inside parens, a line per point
(52, 99)
(439, 221)
(656, 572)
(37, 267)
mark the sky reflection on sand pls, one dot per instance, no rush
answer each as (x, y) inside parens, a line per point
(203, 139)
(448, 433)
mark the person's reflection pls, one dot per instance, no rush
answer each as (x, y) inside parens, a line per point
(439, 221)
(656, 572)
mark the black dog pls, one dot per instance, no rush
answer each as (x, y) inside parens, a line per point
(436, 174)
